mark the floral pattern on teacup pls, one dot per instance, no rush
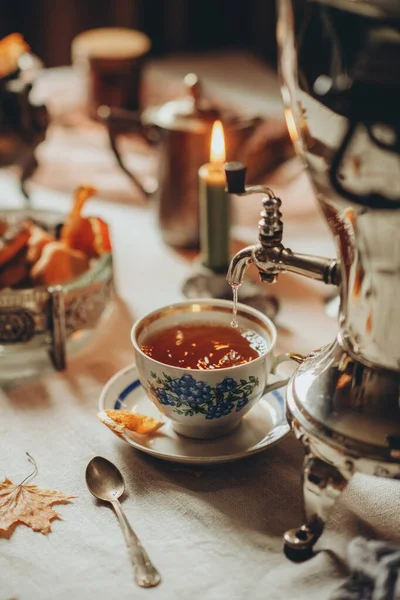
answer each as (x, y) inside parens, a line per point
(190, 397)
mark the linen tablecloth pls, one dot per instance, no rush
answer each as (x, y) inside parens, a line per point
(213, 533)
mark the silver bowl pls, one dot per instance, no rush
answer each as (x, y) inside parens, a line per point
(38, 323)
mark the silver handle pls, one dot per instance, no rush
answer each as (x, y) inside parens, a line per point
(146, 575)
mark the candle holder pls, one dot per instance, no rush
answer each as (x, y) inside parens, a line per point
(209, 277)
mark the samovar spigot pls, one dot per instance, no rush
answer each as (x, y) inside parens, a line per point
(269, 255)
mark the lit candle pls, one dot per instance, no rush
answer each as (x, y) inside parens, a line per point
(214, 206)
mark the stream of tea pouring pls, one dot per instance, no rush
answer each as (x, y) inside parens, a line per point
(235, 291)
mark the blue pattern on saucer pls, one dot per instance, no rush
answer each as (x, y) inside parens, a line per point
(130, 388)
(280, 398)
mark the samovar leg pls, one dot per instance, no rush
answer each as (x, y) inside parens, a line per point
(323, 483)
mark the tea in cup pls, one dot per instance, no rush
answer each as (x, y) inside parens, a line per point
(201, 373)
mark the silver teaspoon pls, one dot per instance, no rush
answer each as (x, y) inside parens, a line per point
(106, 483)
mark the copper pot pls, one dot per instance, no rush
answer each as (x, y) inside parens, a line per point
(182, 130)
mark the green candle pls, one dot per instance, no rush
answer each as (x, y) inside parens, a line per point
(214, 207)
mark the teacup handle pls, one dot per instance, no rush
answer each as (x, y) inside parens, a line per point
(276, 361)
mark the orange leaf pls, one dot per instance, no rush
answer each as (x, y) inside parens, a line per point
(28, 504)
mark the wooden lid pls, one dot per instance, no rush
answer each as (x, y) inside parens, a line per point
(109, 42)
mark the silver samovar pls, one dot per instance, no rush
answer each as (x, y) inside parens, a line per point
(339, 68)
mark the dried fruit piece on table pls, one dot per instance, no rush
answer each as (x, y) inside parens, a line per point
(119, 420)
(58, 264)
(28, 504)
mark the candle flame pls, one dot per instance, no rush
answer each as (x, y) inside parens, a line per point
(217, 150)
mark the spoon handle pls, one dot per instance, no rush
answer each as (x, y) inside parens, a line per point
(146, 575)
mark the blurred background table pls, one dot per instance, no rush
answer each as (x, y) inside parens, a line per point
(213, 533)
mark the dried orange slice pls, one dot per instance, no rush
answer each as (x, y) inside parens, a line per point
(77, 232)
(58, 264)
(119, 420)
(9, 249)
(101, 237)
(88, 234)
(11, 48)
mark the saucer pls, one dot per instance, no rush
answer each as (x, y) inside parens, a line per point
(262, 427)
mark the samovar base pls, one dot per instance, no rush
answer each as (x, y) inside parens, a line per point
(347, 416)
(323, 484)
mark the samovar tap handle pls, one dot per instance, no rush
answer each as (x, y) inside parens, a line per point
(269, 255)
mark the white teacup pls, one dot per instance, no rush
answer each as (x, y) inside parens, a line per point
(188, 397)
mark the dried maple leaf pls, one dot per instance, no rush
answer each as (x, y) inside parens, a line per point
(28, 504)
